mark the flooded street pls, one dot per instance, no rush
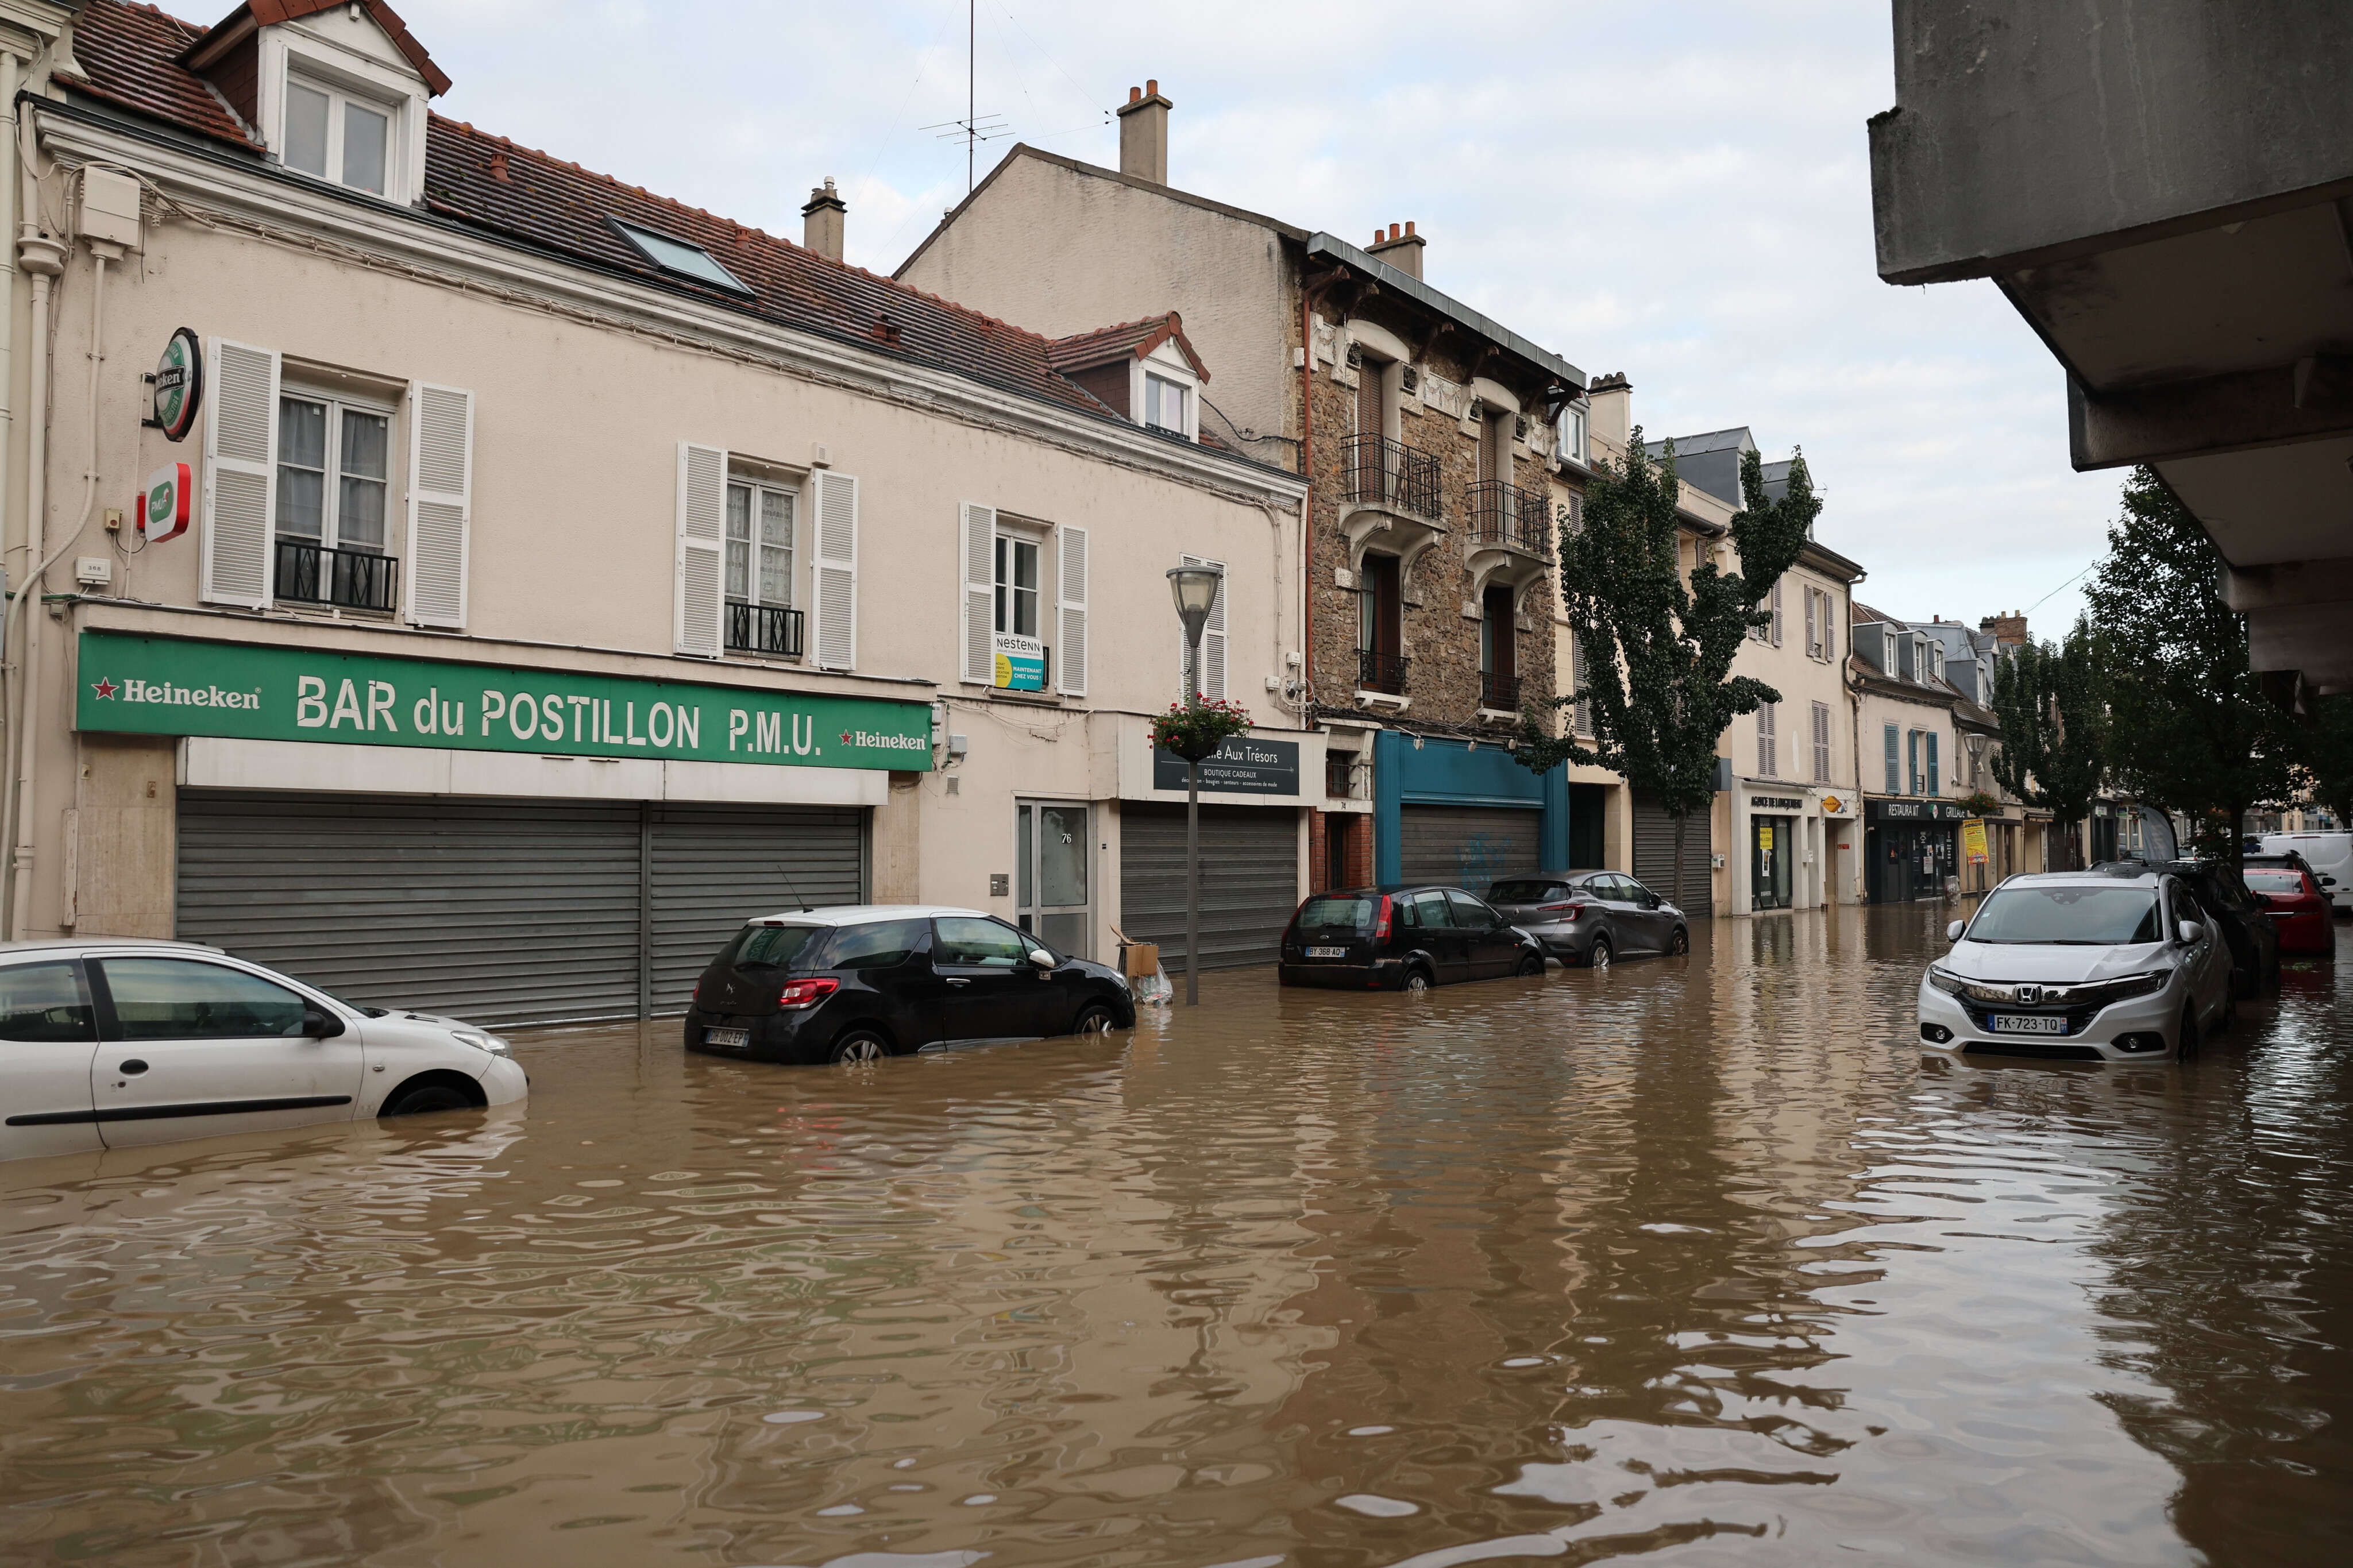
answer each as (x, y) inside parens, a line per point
(1691, 1261)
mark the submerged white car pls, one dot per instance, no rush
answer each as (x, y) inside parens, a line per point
(2080, 966)
(119, 1044)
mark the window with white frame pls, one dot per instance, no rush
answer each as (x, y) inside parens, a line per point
(336, 135)
(1572, 431)
(335, 482)
(1163, 404)
(758, 569)
(1016, 585)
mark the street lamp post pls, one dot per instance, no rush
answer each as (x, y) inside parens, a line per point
(1196, 590)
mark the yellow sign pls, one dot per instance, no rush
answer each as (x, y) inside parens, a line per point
(1765, 836)
(1973, 842)
(1831, 803)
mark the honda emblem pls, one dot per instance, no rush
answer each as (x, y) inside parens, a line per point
(2030, 995)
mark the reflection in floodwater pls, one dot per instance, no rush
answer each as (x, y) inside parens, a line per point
(1691, 1260)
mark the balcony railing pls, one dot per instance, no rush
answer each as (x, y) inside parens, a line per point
(1382, 472)
(355, 579)
(763, 628)
(1509, 516)
(1380, 672)
(1500, 693)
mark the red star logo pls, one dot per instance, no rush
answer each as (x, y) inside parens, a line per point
(845, 737)
(105, 687)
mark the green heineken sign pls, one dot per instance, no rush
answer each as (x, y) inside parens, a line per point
(179, 385)
(170, 686)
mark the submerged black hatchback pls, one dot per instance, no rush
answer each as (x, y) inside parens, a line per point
(858, 982)
(1403, 938)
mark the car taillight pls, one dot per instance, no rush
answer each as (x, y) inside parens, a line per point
(1381, 920)
(807, 993)
(1574, 912)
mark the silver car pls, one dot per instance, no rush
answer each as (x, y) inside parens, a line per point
(1590, 916)
(2108, 965)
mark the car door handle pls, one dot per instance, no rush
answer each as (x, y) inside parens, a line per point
(953, 981)
(133, 1066)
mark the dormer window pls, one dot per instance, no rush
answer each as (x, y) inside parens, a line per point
(336, 136)
(1166, 404)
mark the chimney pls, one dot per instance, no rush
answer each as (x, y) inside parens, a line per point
(821, 220)
(1402, 251)
(1611, 397)
(2008, 631)
(1144, 134)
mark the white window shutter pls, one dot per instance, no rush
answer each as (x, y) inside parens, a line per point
(240, 488)
(441, 502)
(701, 558)
(837, 570)
(978, 620)
(1213, 640)
(1070, 657)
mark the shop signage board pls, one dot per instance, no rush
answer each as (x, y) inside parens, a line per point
(1243, 765)
(1776, 803)
(174, 685)
(1913, 811)
(1020, 663)
(179, 391)
(167, 504)
(1973, 842)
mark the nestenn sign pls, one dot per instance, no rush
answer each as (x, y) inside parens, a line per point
(170, 686)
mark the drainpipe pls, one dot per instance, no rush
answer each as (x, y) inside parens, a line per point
(11, 67)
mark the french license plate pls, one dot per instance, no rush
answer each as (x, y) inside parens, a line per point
(1327, 953)
(734, 1039)
(2027, 1024)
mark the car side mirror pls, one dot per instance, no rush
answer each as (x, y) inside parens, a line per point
(2191, 931)
(1042, 958)
(1953, 931)
(320, 1025)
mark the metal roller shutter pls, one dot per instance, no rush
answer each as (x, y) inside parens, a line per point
(714, 866)
(1466, 846)
(1250, 882)
(1654, 857)
(494, 911)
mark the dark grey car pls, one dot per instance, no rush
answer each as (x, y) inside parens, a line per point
(1590, 916)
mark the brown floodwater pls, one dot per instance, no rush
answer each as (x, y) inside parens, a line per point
(1692, 1261)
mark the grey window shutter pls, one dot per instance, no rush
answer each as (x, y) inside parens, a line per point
(1070, 658)
(1777, 612)
(1813, 624)
(1580, 674)
(837, 570)
(701, 555)
(441, 502)
(978, 616)
(240, 490)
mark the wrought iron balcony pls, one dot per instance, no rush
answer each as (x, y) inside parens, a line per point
(1380, 672)
(1510, 516)
(1500, 693)
(763, 628)
(355, 579)
(1382, 472)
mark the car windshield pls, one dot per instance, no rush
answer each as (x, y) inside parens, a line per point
(2280, 881)
(1337, 911)
(770, 946)
(2067, 916)
(1526, 891)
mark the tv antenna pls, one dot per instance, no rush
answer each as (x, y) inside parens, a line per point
(974, 127)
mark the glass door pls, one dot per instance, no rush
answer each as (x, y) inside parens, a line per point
(1769, 855)
(1051, 852)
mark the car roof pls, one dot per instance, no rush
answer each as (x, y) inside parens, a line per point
(1558, 876)
(78, 943)
(2098, 875)
(859, 914)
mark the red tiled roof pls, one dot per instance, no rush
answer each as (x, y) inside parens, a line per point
(1129, 340)
(130, 56)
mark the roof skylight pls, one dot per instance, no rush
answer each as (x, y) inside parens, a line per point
(677, 256)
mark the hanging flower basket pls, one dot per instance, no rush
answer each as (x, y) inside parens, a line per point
(1195, 730)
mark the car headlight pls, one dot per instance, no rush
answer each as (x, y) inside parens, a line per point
(1950, 984)
(481, 1042)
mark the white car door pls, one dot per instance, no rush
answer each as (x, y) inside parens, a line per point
(193, 1049)
(49, 1038)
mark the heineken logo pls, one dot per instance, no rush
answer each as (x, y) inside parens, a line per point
(179, 385)
(164, 691)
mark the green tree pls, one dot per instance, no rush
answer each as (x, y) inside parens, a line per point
(1658, 647)
(2325, 753)
(2189, 728)
(2049, 700)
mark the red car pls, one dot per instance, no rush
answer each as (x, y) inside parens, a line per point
(2299, 909)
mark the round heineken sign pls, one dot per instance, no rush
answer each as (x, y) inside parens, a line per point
(179, 386)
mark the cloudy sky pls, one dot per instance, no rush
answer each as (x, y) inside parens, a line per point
(1678, 191)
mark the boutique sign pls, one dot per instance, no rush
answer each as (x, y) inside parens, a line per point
(172, 686)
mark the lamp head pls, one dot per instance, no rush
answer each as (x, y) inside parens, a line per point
(1195, 589)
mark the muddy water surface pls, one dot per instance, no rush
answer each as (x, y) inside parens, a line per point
(1694, 1261)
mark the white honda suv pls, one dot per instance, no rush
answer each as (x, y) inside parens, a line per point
(2080, 966)
(116, 1044)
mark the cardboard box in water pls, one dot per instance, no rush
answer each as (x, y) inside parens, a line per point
(1140, 959)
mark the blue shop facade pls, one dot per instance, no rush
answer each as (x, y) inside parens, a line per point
(1463, 812)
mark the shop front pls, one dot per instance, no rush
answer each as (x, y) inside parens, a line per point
(505, 843)
(1782, 836)
(1912, 849)
(1462, 814)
